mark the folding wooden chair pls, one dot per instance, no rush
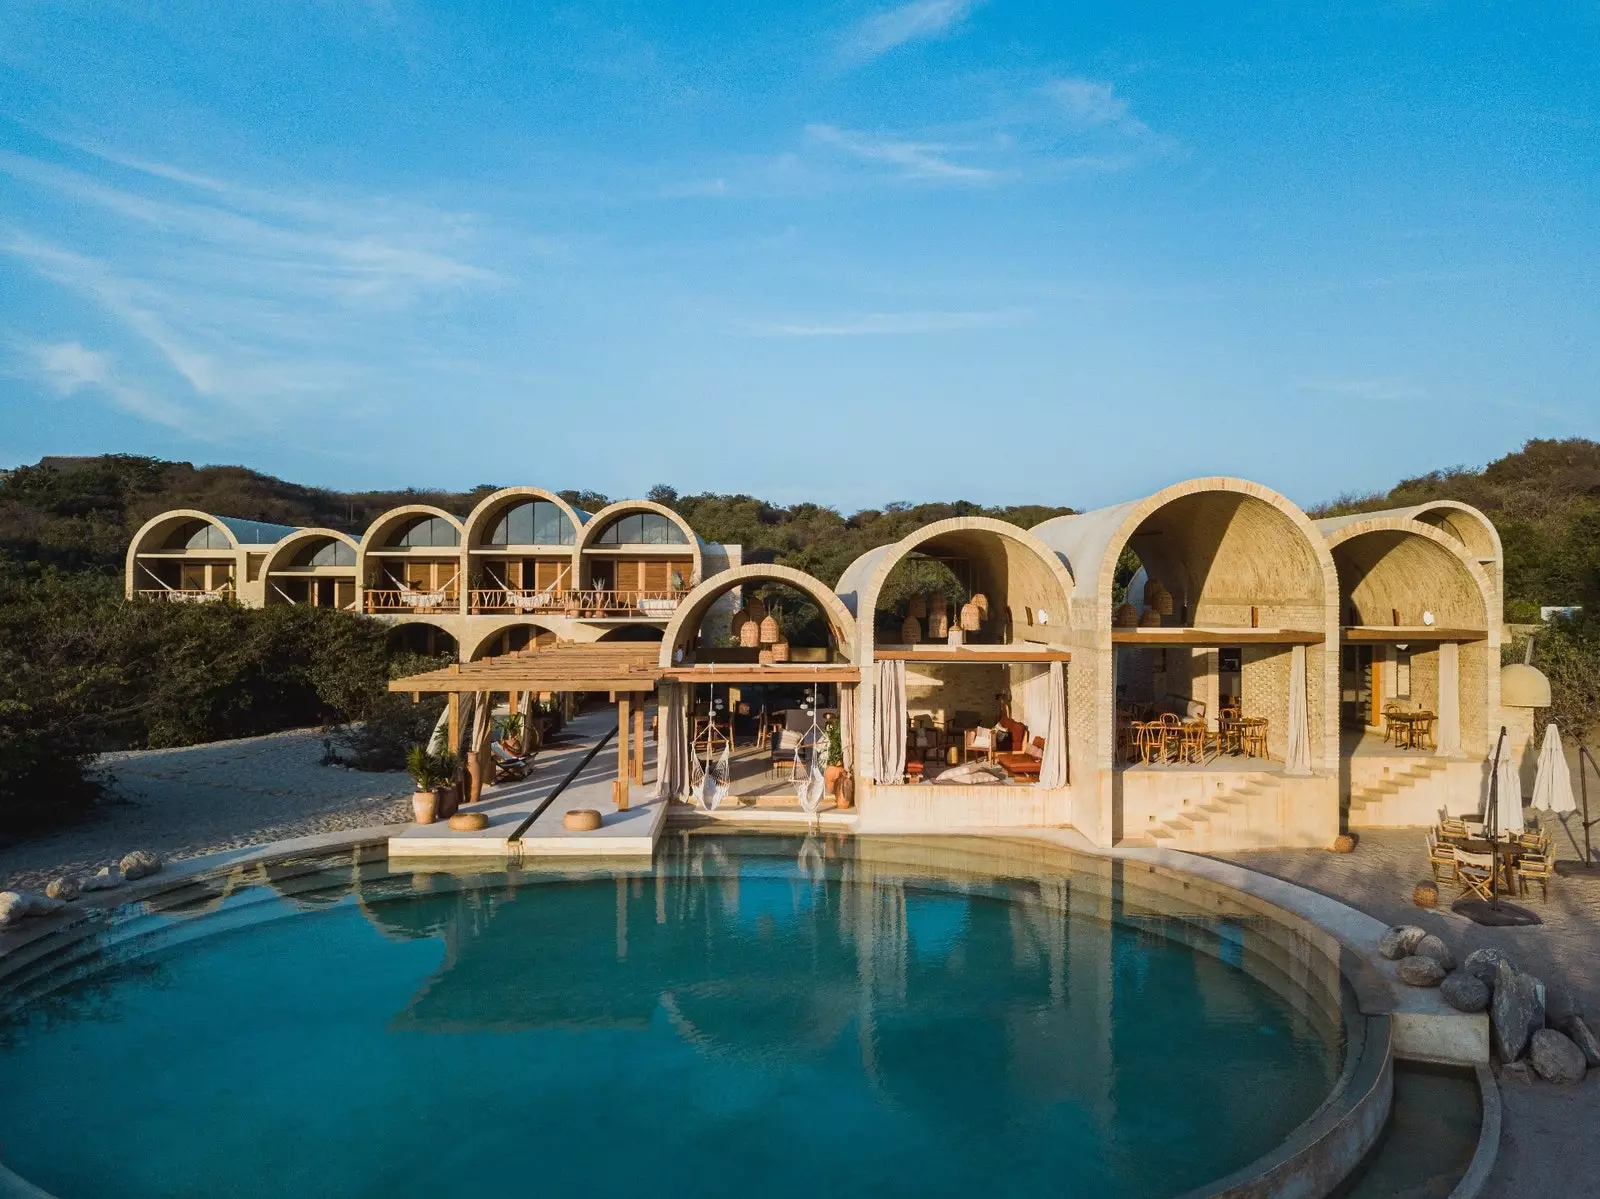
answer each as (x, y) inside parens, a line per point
(1535, 867)
(1475, 873)
(1440, 856)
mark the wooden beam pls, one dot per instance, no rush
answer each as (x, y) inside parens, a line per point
(742, 672)
(1158, 638)
(638, 743)
(999, 655)
(1368, 634)
(453, 729)
(622, 752)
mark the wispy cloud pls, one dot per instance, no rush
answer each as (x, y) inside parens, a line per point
(1373, 390)
(880, 324)
(232, 302)
(910, 159)
(891, 27)
(1092, 104)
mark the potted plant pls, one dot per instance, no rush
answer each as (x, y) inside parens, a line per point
(511, 734)
(447, 769)
(834, 770)
(424, 772)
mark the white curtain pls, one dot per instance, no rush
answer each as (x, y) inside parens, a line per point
(1297, 754)
(440, 739)
(1552, 786)
(1450, 699)
(672, 742)
(526, 712)
(482, 722)
(891, 688)
(1053, 767)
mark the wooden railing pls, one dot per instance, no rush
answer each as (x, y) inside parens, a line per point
(187, 595)
(381, 601)
(587, 602)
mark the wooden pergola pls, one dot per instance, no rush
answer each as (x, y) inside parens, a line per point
(622, 670)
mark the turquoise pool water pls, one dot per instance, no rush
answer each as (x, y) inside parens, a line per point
(760, 1016)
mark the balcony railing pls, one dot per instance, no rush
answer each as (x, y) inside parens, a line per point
(187, 595)
(589, 603)
(379, 602)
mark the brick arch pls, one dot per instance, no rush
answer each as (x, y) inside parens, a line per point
(477, 521)
(596, 524)
(686, 620)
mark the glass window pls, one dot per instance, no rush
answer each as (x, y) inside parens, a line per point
(642, 528)
(537, 522)
(426, 531)
(199, 535)
(332, 552)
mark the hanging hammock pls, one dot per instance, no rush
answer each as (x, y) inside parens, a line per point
(711, 788)
(809, 789)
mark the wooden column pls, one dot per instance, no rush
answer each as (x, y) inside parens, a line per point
(453, 728)
(622, 751)
(638, 742)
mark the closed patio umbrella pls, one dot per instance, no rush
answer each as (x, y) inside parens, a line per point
(1510, 814)
(1552, 786)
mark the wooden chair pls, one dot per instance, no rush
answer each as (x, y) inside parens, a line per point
(1253, 735)
(1440, 856)
(1192, 744)
(1147, 739)
(1127, 746)
(978, 743)
(1475, 872)
(1024, 766)
(1229, 737)
(1452, 829)
(1419, 730)
(1393, 722)
(1539, 868)
(1171, 736)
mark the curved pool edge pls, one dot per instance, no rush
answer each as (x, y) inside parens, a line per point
(1488, 1151)
(1310, 1162)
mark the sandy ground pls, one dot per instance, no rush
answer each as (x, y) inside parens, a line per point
(202, 798)
(1543, 1148)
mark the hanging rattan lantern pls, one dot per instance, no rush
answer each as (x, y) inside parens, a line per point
(939, 605)
(770, 632)
(780, 651)
(917, 606)
(750, 633)
(1158, 597)
(971, 616)
(1127, 617)
(765, 657)
(740, 618)
(982, 601)
(755, 609)
(911, 631)
(1151, 619)
(938, 625)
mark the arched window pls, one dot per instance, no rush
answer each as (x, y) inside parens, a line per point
(537, 522)
(642, 528)
(425, 531)
(332, 552)
(199, 535)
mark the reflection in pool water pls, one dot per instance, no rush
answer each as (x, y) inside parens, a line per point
(754, 1015)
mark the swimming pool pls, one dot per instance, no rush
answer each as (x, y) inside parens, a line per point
(749, 1014)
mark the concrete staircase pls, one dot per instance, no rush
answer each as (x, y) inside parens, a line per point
(1408, 795)
(1221, 820)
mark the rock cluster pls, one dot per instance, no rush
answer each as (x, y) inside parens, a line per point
(1535, 1031)
(139, 864)
(67, 887)
(14, 905)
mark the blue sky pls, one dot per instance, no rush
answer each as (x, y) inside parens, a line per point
(846, 252)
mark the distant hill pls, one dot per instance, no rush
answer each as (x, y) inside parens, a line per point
(1545, 501)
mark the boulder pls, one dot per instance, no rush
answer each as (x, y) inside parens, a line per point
(1584, 1039)
(139, 864)
(1400, 941)
(1465, 993)
(1432, 947)
(102, 879)
(1516, 1011)
(1556, 1059)
(1419, 972)
(1515, 1072)
(1559, 1006)
(1482, 963)
(65, 888)
(14, 905)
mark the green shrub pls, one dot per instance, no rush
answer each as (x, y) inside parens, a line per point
(1522, 612)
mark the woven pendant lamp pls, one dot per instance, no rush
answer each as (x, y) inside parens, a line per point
(1127, 617)
(780, 651)
(765, 657)
(740, 618)
(939, 605)
(1151, 619)
(770, 632)
(938, 625)
(750, 633)
(917, 606)
(982, 601)
(911, 631)
(756, 610)
(971, 616)
(1159, 598)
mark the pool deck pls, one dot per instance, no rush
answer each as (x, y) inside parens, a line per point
(630, 833)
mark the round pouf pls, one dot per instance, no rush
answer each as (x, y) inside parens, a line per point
(1344, 843)
(1425, 895)
(581, 820)
(469, 822)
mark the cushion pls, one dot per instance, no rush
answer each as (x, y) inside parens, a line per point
(1035, 748)
(981, 738)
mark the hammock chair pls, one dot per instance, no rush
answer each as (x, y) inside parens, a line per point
(709, 777)
(808, 789)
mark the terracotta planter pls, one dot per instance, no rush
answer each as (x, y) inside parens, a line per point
(425, 806)
(846, 794)
(449, 801)
(830, 779)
